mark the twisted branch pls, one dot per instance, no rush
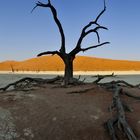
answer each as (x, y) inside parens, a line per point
(57, 21)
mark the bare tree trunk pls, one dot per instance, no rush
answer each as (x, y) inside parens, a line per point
(68, 76)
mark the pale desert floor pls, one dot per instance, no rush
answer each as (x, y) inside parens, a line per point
(75, 72)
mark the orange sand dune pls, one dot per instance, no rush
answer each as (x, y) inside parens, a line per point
(8, 65)
(81, 63)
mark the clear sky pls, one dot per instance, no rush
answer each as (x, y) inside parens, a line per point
(23, 35)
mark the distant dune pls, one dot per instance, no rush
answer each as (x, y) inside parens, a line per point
(81, 63)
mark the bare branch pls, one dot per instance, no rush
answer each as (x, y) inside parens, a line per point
(41, 5)
(95, 30)
(48, 52)
(101, 13)
(94, 23)
(84, 33)
(54, 12)
(98, 37)
(49, 1)
(95, 46)
(33, 8)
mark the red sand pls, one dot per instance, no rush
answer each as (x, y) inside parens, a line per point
(81, 63)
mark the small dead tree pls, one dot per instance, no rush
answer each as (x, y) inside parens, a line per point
(12, 68)
(91, 27)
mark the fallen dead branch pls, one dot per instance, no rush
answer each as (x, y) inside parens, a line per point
(131, 95)
(119, 122)
(27, 83)
(100, 77)
(119, 82)
(81, 91)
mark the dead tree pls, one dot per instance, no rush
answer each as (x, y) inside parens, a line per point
(91, 27)
(12, 68)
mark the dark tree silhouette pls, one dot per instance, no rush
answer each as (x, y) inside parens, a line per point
(69, 57)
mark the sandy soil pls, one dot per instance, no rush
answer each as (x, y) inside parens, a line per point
(51, 113)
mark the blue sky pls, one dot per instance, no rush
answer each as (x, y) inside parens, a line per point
(23, 35)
